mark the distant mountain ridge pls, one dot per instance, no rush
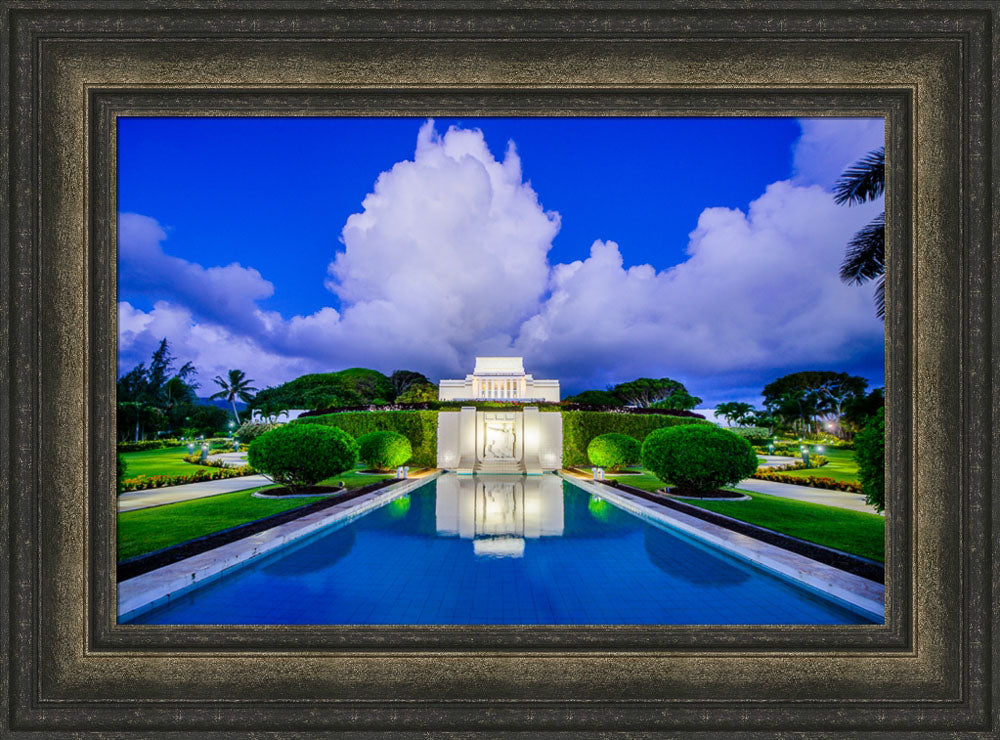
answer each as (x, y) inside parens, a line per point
(221, 403)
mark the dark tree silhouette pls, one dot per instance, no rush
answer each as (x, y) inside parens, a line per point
(865, 256)
(237, 385)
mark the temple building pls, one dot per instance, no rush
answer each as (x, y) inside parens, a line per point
(499, 379)
(499, 441)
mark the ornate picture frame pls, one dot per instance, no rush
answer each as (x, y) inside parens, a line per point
(69, 70)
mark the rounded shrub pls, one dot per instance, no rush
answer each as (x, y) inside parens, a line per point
(613, 451)
(303, 454)
(869, 452)
(384, 450)
(699, 457)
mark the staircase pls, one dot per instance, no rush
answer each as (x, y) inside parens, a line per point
(499, 467)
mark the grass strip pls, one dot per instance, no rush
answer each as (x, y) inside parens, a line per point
(854, 532)
(145, 530)
(841, 467)
(166, 461)
(159, 558)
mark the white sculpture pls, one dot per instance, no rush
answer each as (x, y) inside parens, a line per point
(499, 441)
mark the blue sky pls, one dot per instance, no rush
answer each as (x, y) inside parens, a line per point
(234, 244)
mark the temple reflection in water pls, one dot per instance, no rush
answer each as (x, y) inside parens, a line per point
(498, 513)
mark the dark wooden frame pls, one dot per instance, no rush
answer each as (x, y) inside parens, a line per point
(70, 68)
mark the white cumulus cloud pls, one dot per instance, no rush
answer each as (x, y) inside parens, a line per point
(436, 233)
(758, 290)
(447, 258)
(828, 146)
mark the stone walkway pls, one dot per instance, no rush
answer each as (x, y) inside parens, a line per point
(230, 459)
(839, 499)
(188, 491)
(173, 494)
(773, 461)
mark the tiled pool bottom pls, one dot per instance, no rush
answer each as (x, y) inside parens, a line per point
(501, 550)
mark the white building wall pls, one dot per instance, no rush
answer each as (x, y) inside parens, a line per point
(499, 379)
(538, 447)
(550, 440)
(280, 418)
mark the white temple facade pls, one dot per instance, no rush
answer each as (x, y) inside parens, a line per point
(499, 379)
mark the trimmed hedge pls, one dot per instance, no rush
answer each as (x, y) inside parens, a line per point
(613, 451)
(250, 430)
(420, 427)
(580, 427)
(303, 455)
(757, 436)
(384, 450)
(148, 444)
(698, 458)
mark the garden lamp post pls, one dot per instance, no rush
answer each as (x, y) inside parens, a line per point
(204, 453)
(805, 455)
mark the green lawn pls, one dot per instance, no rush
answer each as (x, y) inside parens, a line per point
(851, 531)
(151, 529)
(166, 461)
(841, 467)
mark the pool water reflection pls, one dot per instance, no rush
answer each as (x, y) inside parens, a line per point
(499, 550)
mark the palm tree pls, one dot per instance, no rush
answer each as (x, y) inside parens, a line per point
(865, 257)
(734, 412)
(238, 386)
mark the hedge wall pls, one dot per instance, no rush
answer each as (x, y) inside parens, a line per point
(148, 444)
(420, 427)
(579, 427)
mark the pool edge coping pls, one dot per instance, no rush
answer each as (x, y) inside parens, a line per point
(147, 591)
(832, 583)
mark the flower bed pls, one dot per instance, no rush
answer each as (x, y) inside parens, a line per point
(813, 481)
(144, 482)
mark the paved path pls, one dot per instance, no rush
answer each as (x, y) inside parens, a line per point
(188, 491)
(840, 499)
(773, 461)
(230, 459)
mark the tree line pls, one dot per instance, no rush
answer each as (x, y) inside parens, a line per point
(155, 399)
(810, 402)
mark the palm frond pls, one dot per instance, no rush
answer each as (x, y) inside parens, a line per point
(864, 180)
(879, 298)
(865, 255)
